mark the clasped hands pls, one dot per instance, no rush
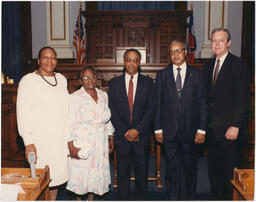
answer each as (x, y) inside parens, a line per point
(132, 135)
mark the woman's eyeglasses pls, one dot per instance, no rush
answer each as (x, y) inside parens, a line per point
(86, 78)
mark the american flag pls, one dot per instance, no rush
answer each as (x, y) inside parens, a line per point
(79, 41)
(191, 40)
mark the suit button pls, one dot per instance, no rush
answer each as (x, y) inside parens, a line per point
(211, 104)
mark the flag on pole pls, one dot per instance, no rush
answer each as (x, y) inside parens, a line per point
(79, 40)
(191, 40)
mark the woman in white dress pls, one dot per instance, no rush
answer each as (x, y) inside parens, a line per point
(42, 106)
(90, 138)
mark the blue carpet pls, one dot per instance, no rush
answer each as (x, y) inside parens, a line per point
(203, 186)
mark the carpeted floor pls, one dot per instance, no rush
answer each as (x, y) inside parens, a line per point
(203, 186)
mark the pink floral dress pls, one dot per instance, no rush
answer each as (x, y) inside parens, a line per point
(89, 126)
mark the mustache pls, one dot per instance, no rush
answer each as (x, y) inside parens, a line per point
(130, 66)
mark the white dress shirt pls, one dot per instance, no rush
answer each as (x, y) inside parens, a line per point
(183, 75)
(134, 80)
(222, 59)
(182, 72)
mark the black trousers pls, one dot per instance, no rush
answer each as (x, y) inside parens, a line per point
(126, 152)
(222, 158)
(181, 169)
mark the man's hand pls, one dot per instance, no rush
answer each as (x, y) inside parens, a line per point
(132, 135)
(200, 138)
(232, 133)
(159, 137)
(30, 148)
(73, 150)
(111, 144)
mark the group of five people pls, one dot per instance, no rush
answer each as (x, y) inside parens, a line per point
(184, 107)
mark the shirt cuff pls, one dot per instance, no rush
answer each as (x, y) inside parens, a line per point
(201, 131)
(159, 131)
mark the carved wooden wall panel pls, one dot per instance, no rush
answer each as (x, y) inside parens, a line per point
(12, 152)
(153, 30)
(104, 43)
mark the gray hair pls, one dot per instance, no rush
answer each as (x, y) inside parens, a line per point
(218, 29)
(178, 41)
(85, 68)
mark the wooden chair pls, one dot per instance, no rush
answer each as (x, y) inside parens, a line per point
(243, 184)
(156, 177)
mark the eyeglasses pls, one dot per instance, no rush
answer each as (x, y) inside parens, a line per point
(86, 78)
(178, 51)
(49, 58)
(135, 60)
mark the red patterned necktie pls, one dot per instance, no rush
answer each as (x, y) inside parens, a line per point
(130, 97)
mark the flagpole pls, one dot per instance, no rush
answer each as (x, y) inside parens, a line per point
(85, 60)
(79, 31)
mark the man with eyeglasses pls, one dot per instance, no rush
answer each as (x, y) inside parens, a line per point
(228, 88)
(132, 105)
(180, 121)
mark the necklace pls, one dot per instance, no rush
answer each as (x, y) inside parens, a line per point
(48, 81)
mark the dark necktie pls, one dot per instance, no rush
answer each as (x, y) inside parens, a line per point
(216, 72)
(130, 97)
(178, 82)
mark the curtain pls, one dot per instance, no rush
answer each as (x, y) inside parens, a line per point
(135, 5)
(11, 40)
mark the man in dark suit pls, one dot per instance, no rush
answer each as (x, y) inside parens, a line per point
(180, 121)
(131, 101)
(227, 82)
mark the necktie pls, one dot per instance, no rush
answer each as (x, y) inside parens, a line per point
(216, 72)
(130, 97)
(178, 82)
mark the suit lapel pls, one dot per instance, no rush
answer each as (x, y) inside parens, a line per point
(224, 69)
(139, 90)
(123, 93)
(211, 70)
(187, 81)
(171, 81)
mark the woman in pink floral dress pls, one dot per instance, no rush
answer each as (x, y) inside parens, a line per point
(90, 138)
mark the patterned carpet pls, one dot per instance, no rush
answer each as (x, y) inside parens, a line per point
(203, 186)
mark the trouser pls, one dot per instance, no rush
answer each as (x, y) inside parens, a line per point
(126, 152)
(181, 169)
(222, 158)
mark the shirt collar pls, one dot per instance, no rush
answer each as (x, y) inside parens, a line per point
(183, 66)
(135, 76)
(222, 58)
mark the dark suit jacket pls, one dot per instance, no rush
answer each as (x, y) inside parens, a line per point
(230, 99)
(192, 104)
(143, 107)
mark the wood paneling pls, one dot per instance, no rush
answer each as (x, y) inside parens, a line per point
(106, 30)
(12, 144)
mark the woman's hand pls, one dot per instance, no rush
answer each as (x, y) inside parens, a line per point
(30, 148)
(73, 151)
(111, 144)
